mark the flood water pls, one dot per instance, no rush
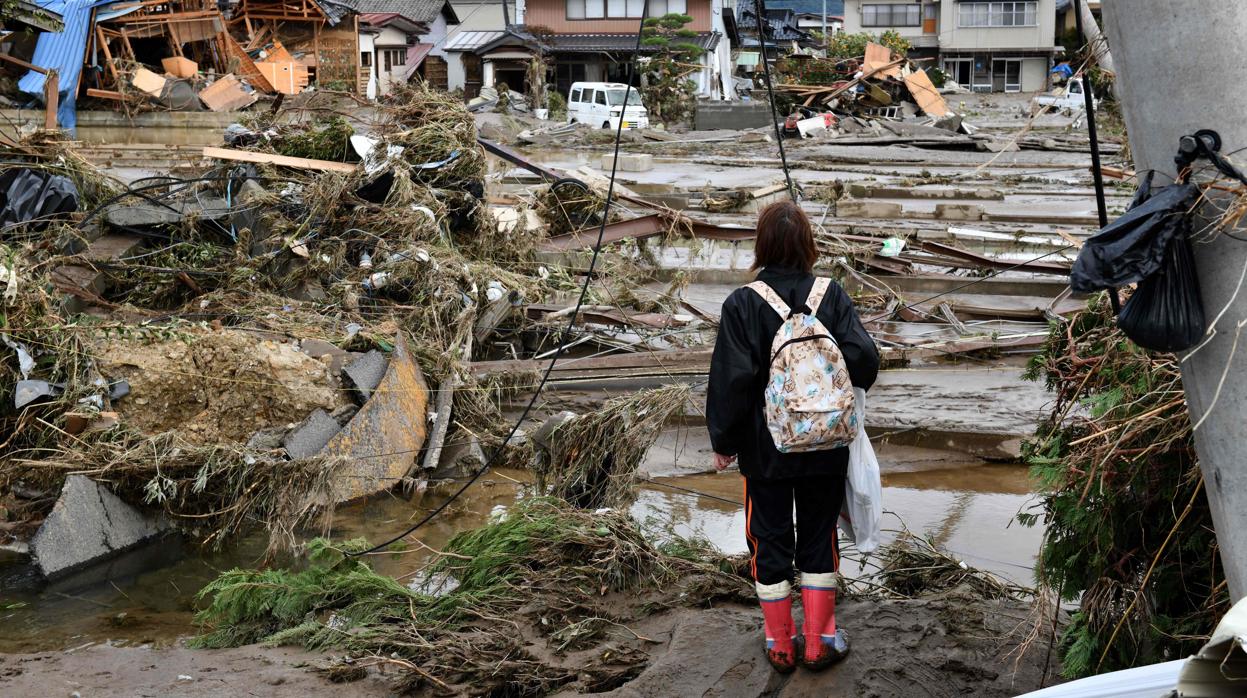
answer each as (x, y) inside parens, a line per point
(966, 505)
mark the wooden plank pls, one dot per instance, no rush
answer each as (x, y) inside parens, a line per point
(282, 160)
(924, 93)
(108, 55)
(246, 66)
(105, 94)
(51, 98)
(22, 63)
(879, 57)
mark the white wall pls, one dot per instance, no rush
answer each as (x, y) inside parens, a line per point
(1040, 36)
(367, 45)
(853, 18)
(436, 36)
(388, 39)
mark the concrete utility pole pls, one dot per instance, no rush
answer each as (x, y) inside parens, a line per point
(1091, 32)
(1177, 65)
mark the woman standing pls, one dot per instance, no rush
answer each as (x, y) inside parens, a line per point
(774, 481)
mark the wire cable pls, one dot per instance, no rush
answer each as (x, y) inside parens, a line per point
(571, 323)
(760, 11)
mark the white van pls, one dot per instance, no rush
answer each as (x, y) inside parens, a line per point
(599, 104)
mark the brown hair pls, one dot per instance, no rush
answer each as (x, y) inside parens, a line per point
(785, 238)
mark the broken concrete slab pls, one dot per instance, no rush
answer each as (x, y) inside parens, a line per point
(88, 524)
(629, 162)
(380, 444)
(212, 208)
(959, 212)
(366, 372)
(311, 437)
(857, 208)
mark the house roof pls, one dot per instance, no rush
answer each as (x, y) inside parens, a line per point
(781, 25)
(395, 20)
(469, 41)
(40, 16)
(617, 43)
(835, 8)
(423, 11)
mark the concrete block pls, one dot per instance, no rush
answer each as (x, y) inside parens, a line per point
(459, 460)
(88, 524)
(541, 437)
(732, 115)
(859, 190)
(858, 208)
(366, 372)
(311, 437)
(959, 212)
(630, 162)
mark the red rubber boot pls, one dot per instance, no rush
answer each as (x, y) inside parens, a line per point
(824, 643)
(781, 632)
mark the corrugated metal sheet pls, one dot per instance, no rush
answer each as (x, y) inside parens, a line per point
(62, 51)
(466, 41)
(415, 56)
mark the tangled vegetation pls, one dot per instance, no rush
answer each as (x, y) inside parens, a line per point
(543, 576)
(594, 457)
(845, 45)
(1128, 532)
(669, 95)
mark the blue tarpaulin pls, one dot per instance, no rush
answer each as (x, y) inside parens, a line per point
(63, 52)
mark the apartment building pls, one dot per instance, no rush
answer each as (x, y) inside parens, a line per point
(985, 46)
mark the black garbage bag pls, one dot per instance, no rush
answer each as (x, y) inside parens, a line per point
(1134, 246)
(1166, 312)
(34, 195)
(1150, 246)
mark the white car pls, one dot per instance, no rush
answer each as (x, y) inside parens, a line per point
(601, 105)
(1067, 98)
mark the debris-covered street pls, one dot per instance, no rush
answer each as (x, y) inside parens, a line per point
(319, 389)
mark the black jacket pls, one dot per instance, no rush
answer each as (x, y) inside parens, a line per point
(738, 373)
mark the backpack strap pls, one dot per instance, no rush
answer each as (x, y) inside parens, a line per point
(815, 299)
(771, 297)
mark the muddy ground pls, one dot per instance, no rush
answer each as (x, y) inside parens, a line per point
(944, 646)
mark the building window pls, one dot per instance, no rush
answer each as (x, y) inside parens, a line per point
(622, 9)
(365, 59)
(658, 8)
(998, 14)
(394, 57)
(907, 15)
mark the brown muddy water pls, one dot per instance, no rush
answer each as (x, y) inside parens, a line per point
(962, 503)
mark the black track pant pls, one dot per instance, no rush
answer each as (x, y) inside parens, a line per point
(773, 546)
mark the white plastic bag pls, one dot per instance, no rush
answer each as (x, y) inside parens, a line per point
(861, 515)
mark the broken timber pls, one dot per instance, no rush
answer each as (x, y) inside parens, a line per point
(660, 223)
(669, 364)
(283, 160)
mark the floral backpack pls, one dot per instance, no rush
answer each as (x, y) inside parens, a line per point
(809, 397)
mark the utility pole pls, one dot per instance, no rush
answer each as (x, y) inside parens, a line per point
(826, 42)
(1176, 66)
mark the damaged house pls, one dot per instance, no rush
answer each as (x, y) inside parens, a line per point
(982, 46)
(589, 40)
(404, 39)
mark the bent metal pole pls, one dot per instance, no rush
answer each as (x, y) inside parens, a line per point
(1176, 64)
